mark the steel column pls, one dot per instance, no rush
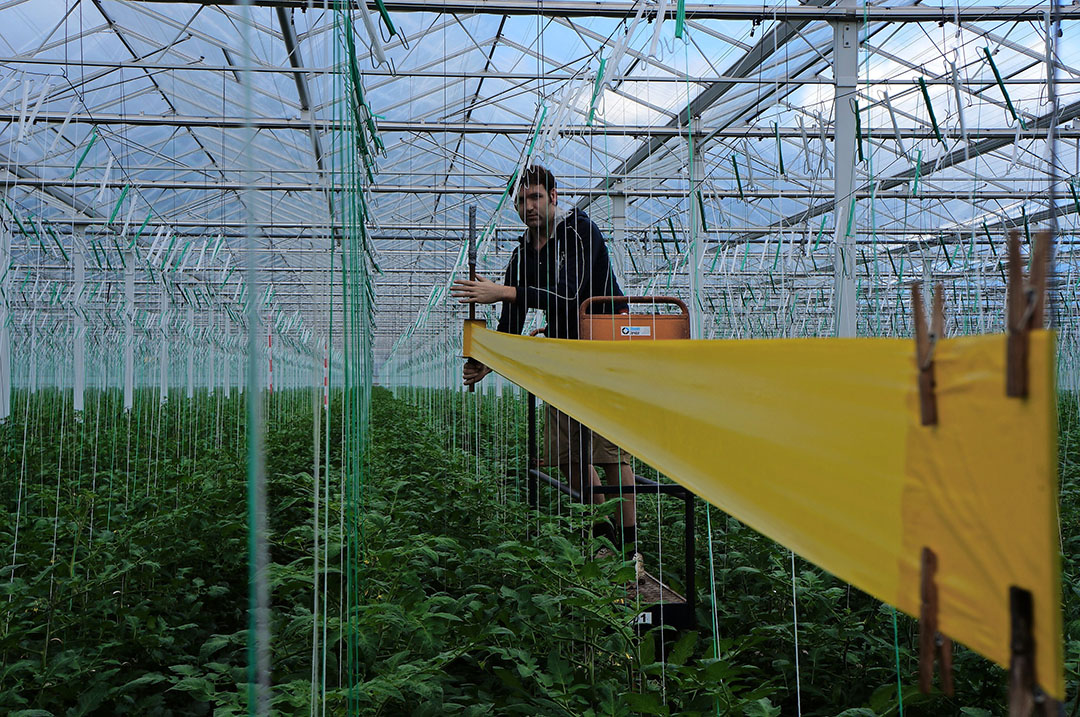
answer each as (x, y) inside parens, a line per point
(697, 233)
(191, 353)
(163, 361)
(845, 70)
(5, 330)
(79, 334)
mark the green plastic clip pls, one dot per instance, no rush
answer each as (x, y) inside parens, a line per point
(930, 110)
(1004, 92)
(596, 91)
(116, 208)
(536, 133)
(918, 171)
(82, 157)
(945, 250)
(858, 131)
(989, 238)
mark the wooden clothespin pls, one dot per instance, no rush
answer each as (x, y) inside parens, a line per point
(932, 644)
(1026, 306)
(925, 342)
(1025, 696)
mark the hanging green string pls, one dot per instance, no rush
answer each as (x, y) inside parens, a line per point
(680, 19)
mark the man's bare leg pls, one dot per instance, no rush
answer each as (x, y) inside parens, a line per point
(629, 503)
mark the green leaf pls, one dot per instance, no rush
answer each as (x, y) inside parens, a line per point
(761, 708)
(213, 644)
(682, 650)
(200, 688)
(150, 678)
(645, 702)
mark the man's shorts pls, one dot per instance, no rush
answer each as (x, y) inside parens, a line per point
(565, 439)
(606, 452)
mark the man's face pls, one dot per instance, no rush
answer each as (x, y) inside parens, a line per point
(536, 206)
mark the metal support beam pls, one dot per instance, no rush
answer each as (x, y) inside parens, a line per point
(33, 349)
(5, 329)
(191, 353)
(618, 236)
(211, 359)
(304, 124)
(927, 168)
(129, 331)
(227, 379)
(589, 194)
(292, 46)
(845, 70)
(163, 360)
(621, 10)
(697, 234)
(769, 44)
(78, 337)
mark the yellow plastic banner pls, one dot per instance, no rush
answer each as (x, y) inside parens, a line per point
(817, 444)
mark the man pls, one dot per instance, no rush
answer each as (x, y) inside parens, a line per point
(561, 261)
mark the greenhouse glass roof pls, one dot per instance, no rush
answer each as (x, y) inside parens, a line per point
(703, 146)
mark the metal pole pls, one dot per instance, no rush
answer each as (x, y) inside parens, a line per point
(697, 232)
(129, 331)
(472, 264)
(228, 357)
(691, 552)
(211, 360)
(5, 331)
(163, 361)
(531, 453)
(33, 349)
(79, 335)
(845, 70)
(618, 233)
(191, 353)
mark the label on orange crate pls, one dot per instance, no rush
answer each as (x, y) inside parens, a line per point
(636, 330)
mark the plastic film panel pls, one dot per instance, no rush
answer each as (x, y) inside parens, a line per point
(816, 443)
